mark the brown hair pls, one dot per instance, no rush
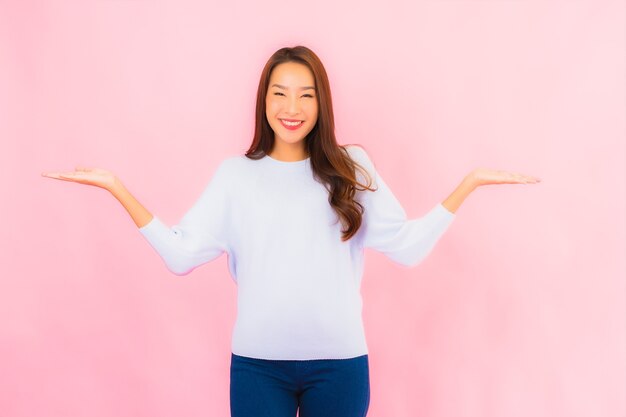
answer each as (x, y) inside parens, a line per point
(331, 164)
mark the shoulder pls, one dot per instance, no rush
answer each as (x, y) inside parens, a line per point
(360, 156)
(355, 150)
(237, 169)
(232, 165)
(229, 163)
(367, 170)
(225, 172)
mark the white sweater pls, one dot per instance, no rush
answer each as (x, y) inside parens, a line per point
(298, 284)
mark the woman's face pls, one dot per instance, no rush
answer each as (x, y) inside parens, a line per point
(291, 96)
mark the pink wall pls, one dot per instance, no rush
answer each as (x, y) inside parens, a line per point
(519, 311)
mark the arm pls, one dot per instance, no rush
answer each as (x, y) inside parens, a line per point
(140, 215)
(199, 237)
(461, 192)
(386, 227)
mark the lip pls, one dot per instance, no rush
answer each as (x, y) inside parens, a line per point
(291, 127)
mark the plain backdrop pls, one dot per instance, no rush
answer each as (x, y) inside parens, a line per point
(519, 310)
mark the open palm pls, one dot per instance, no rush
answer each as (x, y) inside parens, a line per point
(91, 176)
(484, 176)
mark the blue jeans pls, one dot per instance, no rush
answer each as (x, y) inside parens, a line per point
(318, 387)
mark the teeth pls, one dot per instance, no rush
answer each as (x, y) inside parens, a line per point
(291, 123)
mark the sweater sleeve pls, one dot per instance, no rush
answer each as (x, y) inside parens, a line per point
(386, 227)
(201, 235)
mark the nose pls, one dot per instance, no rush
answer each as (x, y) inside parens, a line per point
(293, 107)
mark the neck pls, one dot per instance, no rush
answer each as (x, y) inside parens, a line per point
(288, 153)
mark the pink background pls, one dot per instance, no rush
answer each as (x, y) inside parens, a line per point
(519, 311)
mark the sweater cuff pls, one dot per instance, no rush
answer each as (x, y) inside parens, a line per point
(154, 229)
(444, 212)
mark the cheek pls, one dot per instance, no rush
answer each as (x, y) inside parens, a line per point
(271, 106)
(269, 111)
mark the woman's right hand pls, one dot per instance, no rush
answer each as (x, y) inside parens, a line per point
(91, 176)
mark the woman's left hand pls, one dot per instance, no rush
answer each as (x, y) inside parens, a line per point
(482, 176)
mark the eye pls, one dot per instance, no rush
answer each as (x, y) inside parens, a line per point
(281, 94)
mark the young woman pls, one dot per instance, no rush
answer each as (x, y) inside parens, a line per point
(293, 215)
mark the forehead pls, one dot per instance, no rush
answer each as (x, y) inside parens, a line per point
(292, 74)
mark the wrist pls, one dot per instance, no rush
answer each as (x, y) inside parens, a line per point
(471, 181)
(116, 187)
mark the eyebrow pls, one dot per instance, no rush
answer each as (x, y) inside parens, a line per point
(301, 88)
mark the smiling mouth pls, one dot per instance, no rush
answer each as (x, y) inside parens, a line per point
(291, 123)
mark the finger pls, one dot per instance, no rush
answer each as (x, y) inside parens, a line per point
(59, 176)
(71, 174)
(524, 178)
(55, 174)
(50, 174)
(530, 180)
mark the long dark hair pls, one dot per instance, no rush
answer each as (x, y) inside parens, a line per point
(331, 164)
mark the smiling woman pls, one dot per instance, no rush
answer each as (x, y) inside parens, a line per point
(294, 214)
